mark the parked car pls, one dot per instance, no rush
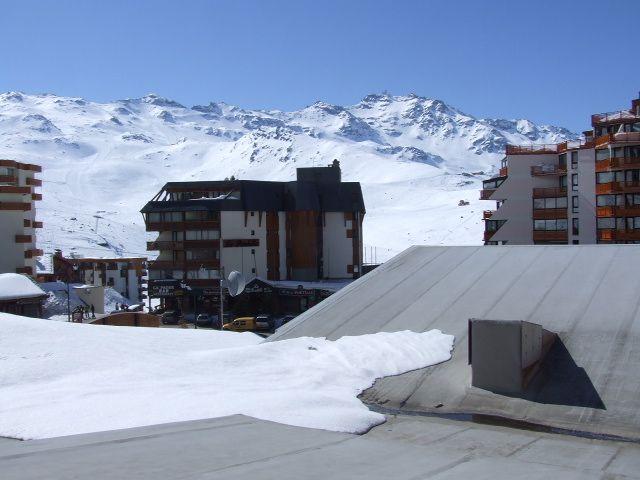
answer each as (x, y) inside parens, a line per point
(265, 323)
(135, 308)
(170, 317)
(241, 324)
(283, 320)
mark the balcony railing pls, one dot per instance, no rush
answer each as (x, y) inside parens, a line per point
(549, 192)
(618, 211)
(34, 252)
(23, 239)
(35, 224)
(36, 197)
(504, 171)
(550, 236)
(486, 194)
(618, 235)
(488, 235)
(35, 182)
(616, 162)
(548, 170)
(181, 245)
(486, 215)
(25, 270)
(186, 225)
(549, 213)
(624, 137)
(618, 187)
(613, 117)
(17, 206)
(183, 264)
(531, 149)
(8, 179)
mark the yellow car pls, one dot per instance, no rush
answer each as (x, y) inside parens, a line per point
(241, 324)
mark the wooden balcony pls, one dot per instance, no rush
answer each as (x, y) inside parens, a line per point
(486, 194)
(183, 264)
(549, 192)
(182, 245)
(504, 171)
(618, 211)
(16, 206)
(8, 179)
(186, 225)
(550, 236)
(35, 224)
(611, 138)
(20, 166)
(36, 197)
(548, 170)
(34, 182)
(621, 116)
(611, 235)
(617, 187)
(617, 163)
(531, 149)
(25, 270)
(486, 215)
(487, 235)
(15, 189)
(24, 239)
(34, 252)
(549, 213)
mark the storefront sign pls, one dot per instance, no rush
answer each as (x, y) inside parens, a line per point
(165, 288)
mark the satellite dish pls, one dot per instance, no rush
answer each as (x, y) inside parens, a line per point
(236, 283)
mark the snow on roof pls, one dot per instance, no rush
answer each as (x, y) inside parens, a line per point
(14, 286)
(44, 264)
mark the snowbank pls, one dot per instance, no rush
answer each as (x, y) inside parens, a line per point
(15, 285)
(62, 379)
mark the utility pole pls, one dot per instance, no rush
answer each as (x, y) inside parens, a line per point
(221, 275)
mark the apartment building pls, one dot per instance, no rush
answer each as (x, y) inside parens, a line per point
(308, 229)
(575, 192)
(18, 217)
(124, 275)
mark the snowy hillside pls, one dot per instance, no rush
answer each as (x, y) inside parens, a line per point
(415, 157)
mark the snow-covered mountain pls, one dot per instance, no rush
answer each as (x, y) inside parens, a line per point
(415, 157)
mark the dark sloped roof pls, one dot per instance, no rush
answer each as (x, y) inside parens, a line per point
(267, 196)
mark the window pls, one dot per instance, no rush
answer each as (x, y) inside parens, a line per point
(550, 225)
(574, 204)
(253, 251)
(606, 222)
(493, 225)
(633, 199)
(608, 177)
(602, 154)
(492, 184)
(202, 235)
(575, 242)
(633, 223)
(205, 274)
(562, 160)
(253, 214)
(177, 236)
(177, 274)
(563, 181)
(632, 176)
(575, 224)
(574, 181)
(610, 200)
(552, 202)
(202, 254)
(574, 160)
(253, 232)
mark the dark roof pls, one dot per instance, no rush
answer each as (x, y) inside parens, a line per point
(266, 196)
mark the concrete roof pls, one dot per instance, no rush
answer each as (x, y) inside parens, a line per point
(589, 295)
(240, 447)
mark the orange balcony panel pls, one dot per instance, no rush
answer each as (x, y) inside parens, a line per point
(549, 213)
(624, 137)
(14, 189)
(23, 239)
(35, 182)
(8, 179)
(531, 149)
(37, 224)
(36, 196)
(34, 252)
(549, 236)
(605, 211)
(504, 171)
(549, 192)
(17, 206)
(25, 270)
(548, 170)
(486, 194)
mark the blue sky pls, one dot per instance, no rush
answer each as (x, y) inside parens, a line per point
(549, 61)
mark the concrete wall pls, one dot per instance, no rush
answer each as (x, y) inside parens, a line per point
(282, 240)
(518, 189)
(241, 258)
(337, 249)
(587, 196)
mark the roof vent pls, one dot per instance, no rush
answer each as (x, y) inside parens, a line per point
(506, 354)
